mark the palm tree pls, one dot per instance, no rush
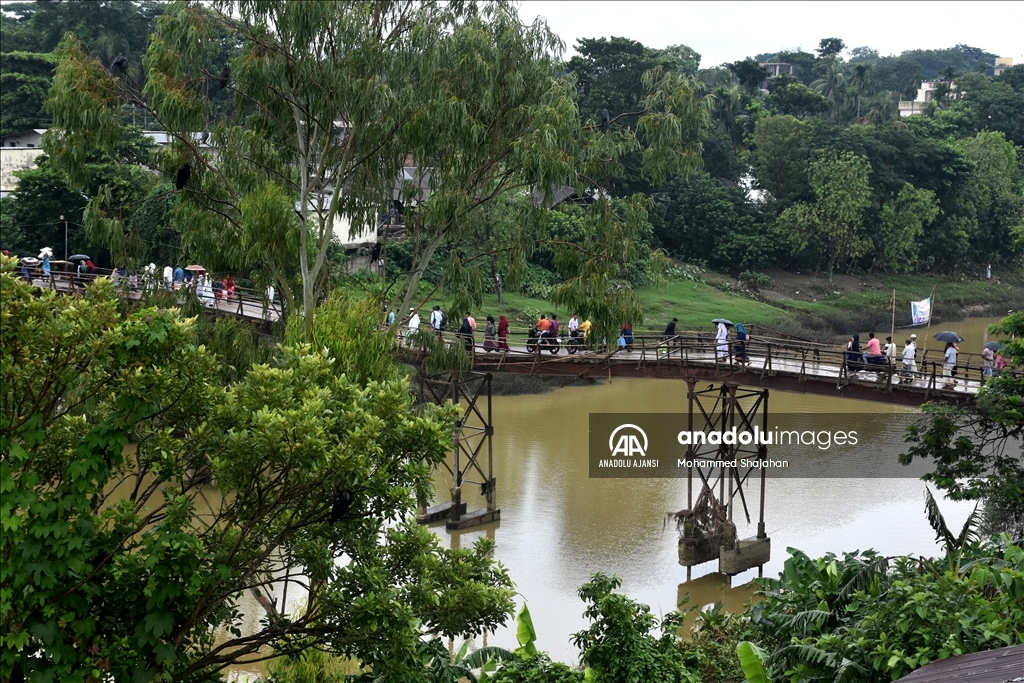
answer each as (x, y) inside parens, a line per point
(882, 107)
(831, 83)
(860, 82)
(729, 112)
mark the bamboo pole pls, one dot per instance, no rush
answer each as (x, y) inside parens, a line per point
(931, 314)
(892, 333)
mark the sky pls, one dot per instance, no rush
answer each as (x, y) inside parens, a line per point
(729, 31)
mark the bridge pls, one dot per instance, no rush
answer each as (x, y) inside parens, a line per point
(778, 363)
(768, 360)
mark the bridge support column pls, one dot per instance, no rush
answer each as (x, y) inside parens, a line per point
(473, 435)
(706, 527)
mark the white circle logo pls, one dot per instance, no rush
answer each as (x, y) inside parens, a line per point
(628, 444)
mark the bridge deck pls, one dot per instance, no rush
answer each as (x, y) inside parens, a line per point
(771, 363)
(784, 364)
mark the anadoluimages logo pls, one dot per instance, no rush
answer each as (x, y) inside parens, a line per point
(628, 442)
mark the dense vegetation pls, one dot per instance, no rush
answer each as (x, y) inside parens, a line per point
(157, 468)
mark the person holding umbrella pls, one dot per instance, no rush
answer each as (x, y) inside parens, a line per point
(949, 355)
(722, 336)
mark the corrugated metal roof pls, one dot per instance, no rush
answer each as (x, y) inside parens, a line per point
(1005, 665)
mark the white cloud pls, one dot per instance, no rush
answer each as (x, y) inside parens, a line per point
(728, 31)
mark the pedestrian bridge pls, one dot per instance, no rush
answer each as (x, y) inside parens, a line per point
(772, 362)
(782, 364)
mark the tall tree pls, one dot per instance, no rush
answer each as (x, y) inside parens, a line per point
(829, 48)
(749, 73)
(902, 223)
(832, 223)
(779, 158)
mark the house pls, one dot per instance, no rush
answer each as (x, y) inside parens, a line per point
(925, 94)
(775, 70)
(1001, 65)
(18, 153)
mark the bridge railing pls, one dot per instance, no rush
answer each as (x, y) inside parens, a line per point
(244, 302)
(767, 356)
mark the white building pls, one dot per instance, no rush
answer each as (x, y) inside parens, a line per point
(18, 153)
(925, 94)
(1001, 65)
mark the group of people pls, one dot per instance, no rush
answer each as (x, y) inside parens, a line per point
(495, 331)
(874, 357)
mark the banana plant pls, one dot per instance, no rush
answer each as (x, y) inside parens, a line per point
(753, 660)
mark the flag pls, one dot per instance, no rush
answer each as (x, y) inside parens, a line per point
(921, 311)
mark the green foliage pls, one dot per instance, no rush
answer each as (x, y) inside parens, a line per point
(976, 450)
(349, 328)
(863, 617)
(756, 280)
(779, 158)
(901, 226)
(752, 658)
(620, 646)
(701, 221)
(832, 224)
(143, 500)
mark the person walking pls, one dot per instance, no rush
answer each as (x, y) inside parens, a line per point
(987, 356)
(435, 318)
(627, 335)
(466, 332)
(574, 324)
(45, 255)
(489, 333)
(503, 332)
(909, 364)
(949, 365)
(670, 329)
(179, 276)
(472, 321)
(169, 278)
(722, 337)
(741, 343)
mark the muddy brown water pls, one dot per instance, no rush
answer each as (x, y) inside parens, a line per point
(558, 526)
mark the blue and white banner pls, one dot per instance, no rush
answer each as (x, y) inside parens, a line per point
(921, 311)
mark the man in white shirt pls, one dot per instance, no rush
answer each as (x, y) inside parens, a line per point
(436, 316)
(574, 324)
(414, 320)
(909, 364)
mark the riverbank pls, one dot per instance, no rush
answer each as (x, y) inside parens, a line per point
(796, 303)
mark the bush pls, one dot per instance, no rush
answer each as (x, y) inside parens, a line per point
(757, 281)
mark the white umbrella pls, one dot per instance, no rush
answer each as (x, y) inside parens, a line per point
(45, 251)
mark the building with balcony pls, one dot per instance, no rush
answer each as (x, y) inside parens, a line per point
(1001, 65)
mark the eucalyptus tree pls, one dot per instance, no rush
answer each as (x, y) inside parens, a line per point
(330, 100)
(327, 101)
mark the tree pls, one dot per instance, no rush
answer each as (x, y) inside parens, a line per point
(992, 197)
(31, 32)
(143, 500)
(779, 158)
(792, 98)
(749, 73)
(976, 450)
(699, 220)
(620, 644)
(829, 48)
(902, 224)
(832, 223)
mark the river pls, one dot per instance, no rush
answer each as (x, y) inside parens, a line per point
(558, 526)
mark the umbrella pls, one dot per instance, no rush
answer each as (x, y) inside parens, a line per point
(46, 251)
(78, 257)
(196, 268)
(30, 261)
(947, 336)
(995, 345)
(727, 323)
